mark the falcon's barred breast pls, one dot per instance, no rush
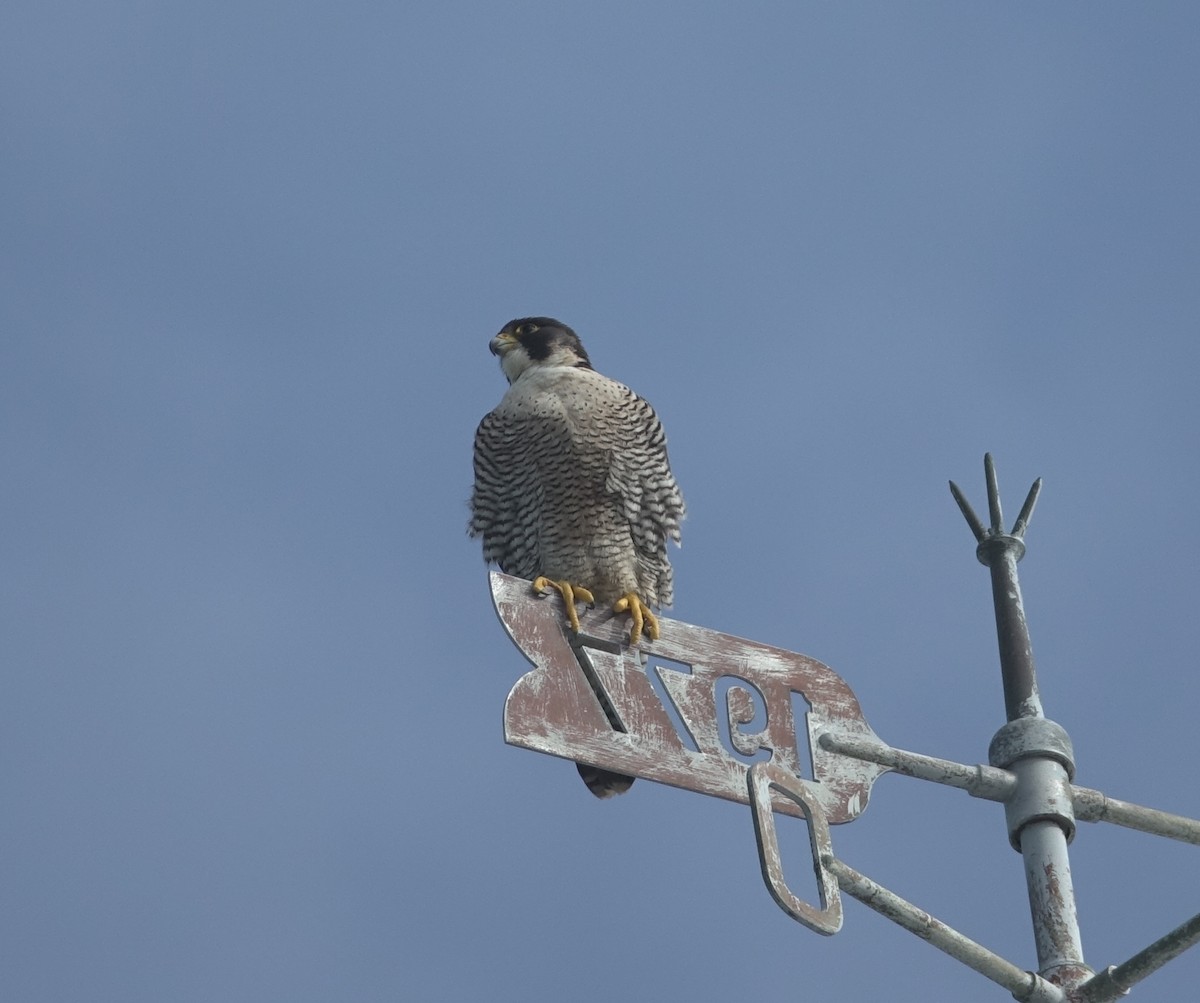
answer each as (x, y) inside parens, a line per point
(573, 487)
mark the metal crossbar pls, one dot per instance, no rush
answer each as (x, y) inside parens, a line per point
(1030, 772)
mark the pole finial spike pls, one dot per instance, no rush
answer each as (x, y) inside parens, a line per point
(1022, 522)
(968, 512)
(993, 493)
(986, 535)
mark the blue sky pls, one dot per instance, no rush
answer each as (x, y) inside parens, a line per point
(250, 743)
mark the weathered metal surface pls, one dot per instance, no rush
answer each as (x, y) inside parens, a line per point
(590, 698)
(833, 875)
(1000, 551)
(1032, 737)
(1116, 980)
(1025, 986)
(764, 781)
(1043, 789)
(993, 784)
(985, 782)
(1052, 902)
(1040, 812)
(1095, 806)
(1032, 764)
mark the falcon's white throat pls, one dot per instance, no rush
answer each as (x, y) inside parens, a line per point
(514, 360)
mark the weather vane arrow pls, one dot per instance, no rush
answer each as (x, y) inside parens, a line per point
(720, 715)
(592, 698)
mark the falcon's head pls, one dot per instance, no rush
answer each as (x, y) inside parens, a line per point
(537, 342)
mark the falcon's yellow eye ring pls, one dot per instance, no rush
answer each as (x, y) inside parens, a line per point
(526, 329)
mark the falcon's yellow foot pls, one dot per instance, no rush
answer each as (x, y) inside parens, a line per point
(642, 617)
(571, 595)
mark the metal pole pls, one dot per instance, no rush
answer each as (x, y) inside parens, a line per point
(1040, 812)
(1021, 697)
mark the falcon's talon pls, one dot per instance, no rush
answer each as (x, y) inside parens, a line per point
(640, 613)
(571, 594)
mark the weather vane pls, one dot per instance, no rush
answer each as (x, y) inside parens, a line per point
(784, 733)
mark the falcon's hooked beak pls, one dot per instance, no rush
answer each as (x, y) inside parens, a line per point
(503, 342)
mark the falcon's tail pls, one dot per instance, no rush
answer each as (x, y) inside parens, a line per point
(604, 783)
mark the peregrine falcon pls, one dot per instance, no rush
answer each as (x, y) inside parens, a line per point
(573, 489)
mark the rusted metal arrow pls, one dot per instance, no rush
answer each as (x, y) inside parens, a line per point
(593, 699)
